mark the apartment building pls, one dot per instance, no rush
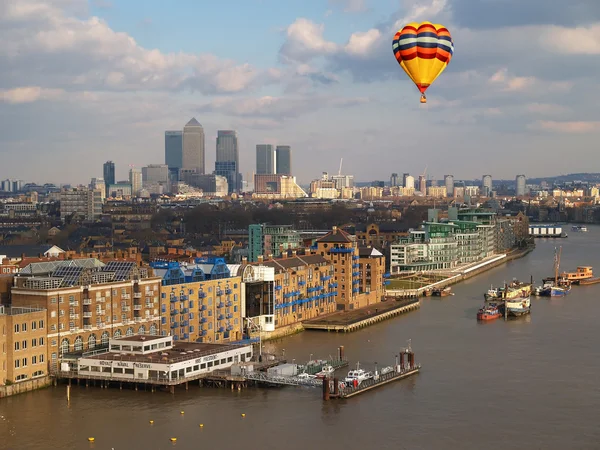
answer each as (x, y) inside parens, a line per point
(358, 271)
(23, 344)
(200, 302)
(87, 301)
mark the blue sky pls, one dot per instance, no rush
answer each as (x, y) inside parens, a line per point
(83, 81)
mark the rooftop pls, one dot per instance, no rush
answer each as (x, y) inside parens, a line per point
(182, 351)
(139, 338)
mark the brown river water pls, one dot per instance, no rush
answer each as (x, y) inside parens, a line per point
(528, 383)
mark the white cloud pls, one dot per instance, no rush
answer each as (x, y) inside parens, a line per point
(29, 94)
(361, 44)
(304, 40)
(567, 127)
(573, 41)
(419, 11)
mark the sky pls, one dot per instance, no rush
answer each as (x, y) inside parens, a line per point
(82, 82)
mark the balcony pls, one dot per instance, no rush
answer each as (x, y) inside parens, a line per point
(185, 311)
(174, 312)
(183, 297)
(229, 316)
(202, 333)
(174, 299)
(87, 301)
(356, 257)
(125, 296)
(185, 323)
(73, 316)
(355, 274)
(220, 305)
(325, 278)
(220, 317)
(87, 327)
(219, 292)
(73, 303)
(203, 320)
(341, 250)
(99, 312)
(137, 307)
(174, 325)
(228, 291)
(355, 266)
(203, 308)
(201, 295)
(139, 319)
(125, 308)
(229, 304)
(137, 295)
(87, 315)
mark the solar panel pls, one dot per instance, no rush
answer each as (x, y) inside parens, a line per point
(122, 269)
(71, 275)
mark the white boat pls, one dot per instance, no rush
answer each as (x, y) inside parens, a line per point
(306, 376)
(387, 370)
(359, 375)
(326, 371)
(579, 228)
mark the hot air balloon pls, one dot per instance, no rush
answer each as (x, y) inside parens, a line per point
(423, 51)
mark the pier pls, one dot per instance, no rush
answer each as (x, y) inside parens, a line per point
(340, 390)
(347, 321)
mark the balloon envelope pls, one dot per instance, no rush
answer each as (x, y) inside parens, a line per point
(423, 50)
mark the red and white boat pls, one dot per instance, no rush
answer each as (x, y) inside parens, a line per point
(326, 371)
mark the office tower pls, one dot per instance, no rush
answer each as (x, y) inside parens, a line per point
(409, 181)
(135, 180)
(422, 184)
(99, 185)
(193, 146)
(155, 177)
(265, 159)
(404, 177)
(227, 162)
(109, 174)
(486, 185)
(174, 151)
(283, 160)
(394, 180)
(520, 189)
(449, 182)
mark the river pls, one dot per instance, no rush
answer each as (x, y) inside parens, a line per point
(529, 383)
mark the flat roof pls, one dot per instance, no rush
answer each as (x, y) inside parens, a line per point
(180, 352)
(139, 338)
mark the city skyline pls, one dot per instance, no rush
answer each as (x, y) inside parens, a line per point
(106, 82)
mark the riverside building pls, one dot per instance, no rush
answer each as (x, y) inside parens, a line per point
(200, 302)
(153, 359)
(87, 302)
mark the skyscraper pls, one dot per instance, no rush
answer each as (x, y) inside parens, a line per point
(265, 159)
(404, 177)
(520, 188)
(449, 183)
(227, 161)
(394, 180)
(422, 184)
(109, 174)
(174, 150)
(283, 160)
(135, 180)
(193, 146)
(486, 185)
(409, 181)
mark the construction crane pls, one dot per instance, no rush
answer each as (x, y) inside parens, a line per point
(340, 169)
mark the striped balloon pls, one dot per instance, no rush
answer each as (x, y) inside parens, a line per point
(423, 51)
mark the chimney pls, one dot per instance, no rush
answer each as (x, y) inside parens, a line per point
(244, 260)
(334, 229)
(270, 256)
(293, 252)
(260, 258)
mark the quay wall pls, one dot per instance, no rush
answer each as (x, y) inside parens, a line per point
(25, 386)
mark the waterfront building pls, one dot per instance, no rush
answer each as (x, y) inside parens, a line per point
(81, 203)
(520, 182)
(271, 240)
(277, 187)
(380, 235)
(286, 291)
(193, 147)
(358, 274)
(200, 302)
(88, 301)
(486, 225)
(283, 160)
(265, 160)
(23, 344)
(154, 359)
(449, 184)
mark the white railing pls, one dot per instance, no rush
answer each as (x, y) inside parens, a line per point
(87, 315)
(137, 295)
(87, 301)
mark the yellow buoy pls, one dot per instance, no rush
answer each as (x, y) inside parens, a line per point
(182, 412)
(173, 439)
(243, 415)
(151, 422)
(91, 439)
(201, 425)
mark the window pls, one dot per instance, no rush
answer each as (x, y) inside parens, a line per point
(17, 346)
(53, 314)
(24, 362)
(34, 360)
(34, 342)
(17, 328)
(54, 342)
(41, 325)
(17, 363)
(53, 300)
(24, 345)
(61, 312)
(34, 325)
(41, 341)
(61, 299)
(42, 358)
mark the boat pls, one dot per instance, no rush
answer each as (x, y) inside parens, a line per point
(582, 273)
(489, 312)
(326, 371)
(357, 376)
(518, 307)
(516, 289)
(306, 376)
(559, 286)
(441, 292)
(589, 281)
(579, 228)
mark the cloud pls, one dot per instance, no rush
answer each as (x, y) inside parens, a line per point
(86, 54)
(29, 94)
(567, 127)
(102, 4)
(350, 6)
(304, 40)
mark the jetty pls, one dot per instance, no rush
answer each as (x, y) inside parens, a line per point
(346, 321)
(334, 389)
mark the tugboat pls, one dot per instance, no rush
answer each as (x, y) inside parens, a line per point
(489, 312)
(518, 307)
